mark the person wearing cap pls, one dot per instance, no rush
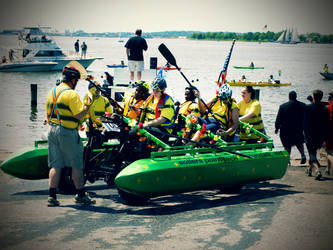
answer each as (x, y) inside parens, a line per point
(134, 103)
(101, 107)
(159, 109)
(64, 111)
(225, 111)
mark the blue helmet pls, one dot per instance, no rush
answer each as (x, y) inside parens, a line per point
(224, 92)
(159, 83)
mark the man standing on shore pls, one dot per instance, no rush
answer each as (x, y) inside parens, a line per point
(289, 121)
(64, 110)
(134, 51)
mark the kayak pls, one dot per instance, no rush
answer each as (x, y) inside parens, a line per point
(258, 84)
(328, 76)
(247, 67)
(116, 66)
(168, 68)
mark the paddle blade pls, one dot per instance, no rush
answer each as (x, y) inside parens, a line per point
(79, 67)
(167, 54)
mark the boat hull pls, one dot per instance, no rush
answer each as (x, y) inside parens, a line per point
(247, 67)
(328, 76)
(28, 163)
(154, 177)
(116, 66)
(28, 67)
(258, 84)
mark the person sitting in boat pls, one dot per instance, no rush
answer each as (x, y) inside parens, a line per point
(4, 59)
(252, 65)
(101, 106)
(250, 112)
(325, 69)
(243, 79)
(158, 114)
(223, 118)
(134, 103)
(28, 38)
(271, 79)
(187, 110)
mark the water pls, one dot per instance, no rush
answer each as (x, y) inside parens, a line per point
(20, 125)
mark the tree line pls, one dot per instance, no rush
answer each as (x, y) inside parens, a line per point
(268, 36)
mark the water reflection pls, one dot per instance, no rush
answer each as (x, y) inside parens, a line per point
(33, 113)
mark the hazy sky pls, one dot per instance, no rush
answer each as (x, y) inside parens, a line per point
(157, 15)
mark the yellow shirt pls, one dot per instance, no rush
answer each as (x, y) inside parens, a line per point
(219, 110)
(167, 111)
(135, 110)
(254, 107)
(68, 104)
(189, 107)
(100, 105)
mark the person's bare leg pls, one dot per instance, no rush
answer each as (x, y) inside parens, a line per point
(132, 76)
(54, 177)
(139, 75)
(77, 176)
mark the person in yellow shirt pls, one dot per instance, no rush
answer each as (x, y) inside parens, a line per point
(250, 112)
(159, 109)
(225, 110)
(64, 110)
(134, 103)
(101, 106)
(325, 68)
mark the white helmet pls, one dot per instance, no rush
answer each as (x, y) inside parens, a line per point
(224, 91)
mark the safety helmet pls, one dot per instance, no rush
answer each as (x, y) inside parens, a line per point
(224, 92)
(71, 73)
(159, 83)
(92, 89)
(143, 84)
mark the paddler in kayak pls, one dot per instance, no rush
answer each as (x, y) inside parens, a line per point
(225, 109)
(101, 107)
(64, 110)
(134, 103)
(158, 114)
(251, 65)
(250, 112)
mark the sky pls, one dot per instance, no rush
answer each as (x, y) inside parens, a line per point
(156, 15)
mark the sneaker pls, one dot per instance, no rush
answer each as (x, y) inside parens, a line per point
(85, 200)
(308, 172)
(51, 202)
(303, 159)
(318, 175)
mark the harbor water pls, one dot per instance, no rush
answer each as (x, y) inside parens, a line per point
(21, 124)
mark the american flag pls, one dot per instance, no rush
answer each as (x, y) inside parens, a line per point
(223, 74)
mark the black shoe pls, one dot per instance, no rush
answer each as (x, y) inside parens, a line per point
(318, 175)
(303, 160)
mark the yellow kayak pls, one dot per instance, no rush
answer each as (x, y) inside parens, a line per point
(258, 84)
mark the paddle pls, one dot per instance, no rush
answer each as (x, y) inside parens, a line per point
(166, 53)
(85, 76)
(199, 143)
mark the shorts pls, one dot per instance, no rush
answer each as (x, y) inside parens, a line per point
(65, 148)
(136, 65)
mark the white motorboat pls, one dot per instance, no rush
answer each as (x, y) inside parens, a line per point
(37, 48)
(26, 66)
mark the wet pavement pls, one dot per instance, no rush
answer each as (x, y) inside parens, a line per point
(292, 213)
